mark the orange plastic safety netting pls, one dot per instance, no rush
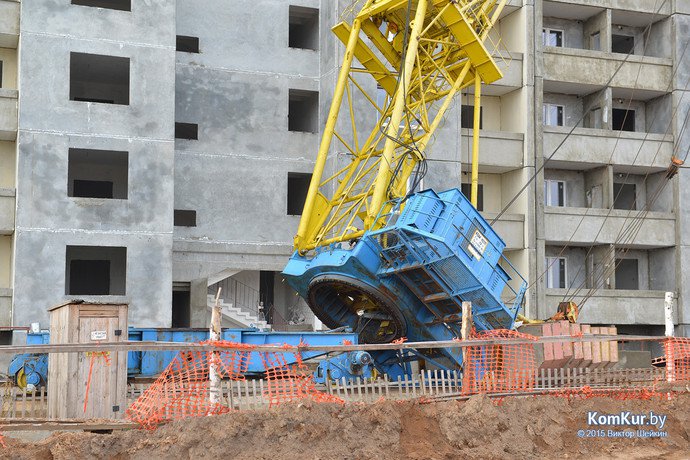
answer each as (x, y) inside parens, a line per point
(677, 353)
(183, 389)
(288, 383)
(502, 367)
(587, 392)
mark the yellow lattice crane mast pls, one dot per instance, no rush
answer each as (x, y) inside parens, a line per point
(421, 53)
(372, 253)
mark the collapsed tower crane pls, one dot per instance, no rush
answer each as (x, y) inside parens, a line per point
(370, 253)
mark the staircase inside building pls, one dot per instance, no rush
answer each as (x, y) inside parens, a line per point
(240, 304)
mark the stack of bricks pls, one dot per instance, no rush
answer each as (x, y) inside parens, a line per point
(592, 355)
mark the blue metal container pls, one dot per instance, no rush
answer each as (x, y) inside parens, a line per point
(32, 368)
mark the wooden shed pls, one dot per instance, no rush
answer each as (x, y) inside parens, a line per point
(69, 383)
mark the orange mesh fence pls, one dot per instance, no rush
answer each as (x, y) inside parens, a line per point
(92, 359)
(183, 389)
(677, 351)
(621, 394)
(288, 383)
(501, 367)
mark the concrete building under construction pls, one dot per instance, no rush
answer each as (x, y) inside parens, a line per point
(152, 151)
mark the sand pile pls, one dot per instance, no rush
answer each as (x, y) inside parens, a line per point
(528, 427)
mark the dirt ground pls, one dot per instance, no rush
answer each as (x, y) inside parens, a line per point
(524, 428)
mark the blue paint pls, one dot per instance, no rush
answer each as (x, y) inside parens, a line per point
(152, 363)
(432, 255)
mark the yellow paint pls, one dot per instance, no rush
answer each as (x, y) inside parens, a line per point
(8, 56)
(5, 261)
(445, 53)
(475, 138)
(8, 162)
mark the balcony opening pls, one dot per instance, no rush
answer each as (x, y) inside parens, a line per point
(97, 174)
(187, 44)
(95, 270)
(187, 131)
(184, 218)
(303, 111)
(552, 37)
(122, 5)
(622, 43)
(304, 28)
(467, 116)
(553, 115)
(624, 196)
(181, 307)
(99, 78)
(298, 186)
(554, 192)
(466, 190)
(623, 120)
(556, 272)
(627, 275)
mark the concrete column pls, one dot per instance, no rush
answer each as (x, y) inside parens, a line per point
(198, 302)
(681, 105)
(600, 23)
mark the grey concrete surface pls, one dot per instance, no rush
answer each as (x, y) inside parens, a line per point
(235, 174)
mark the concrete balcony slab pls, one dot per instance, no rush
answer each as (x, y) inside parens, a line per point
(511, 228)
(8, 114)
(584, 9)
(509, 144)
(575, 71)
(587, 226)
(615, 306)
(644, 152)
(9, 23)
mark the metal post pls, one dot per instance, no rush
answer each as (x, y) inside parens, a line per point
(475, 139)
(215, 391)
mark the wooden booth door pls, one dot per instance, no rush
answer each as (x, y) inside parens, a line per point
(100, 389)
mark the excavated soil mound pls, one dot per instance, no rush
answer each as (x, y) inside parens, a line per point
(528, 427)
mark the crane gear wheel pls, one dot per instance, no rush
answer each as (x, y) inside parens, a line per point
(343, 301)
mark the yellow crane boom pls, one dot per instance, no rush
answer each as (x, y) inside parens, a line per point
(421, 53)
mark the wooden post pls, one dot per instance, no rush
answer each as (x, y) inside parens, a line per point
(465, 332)
(466, 329)
(216, 391)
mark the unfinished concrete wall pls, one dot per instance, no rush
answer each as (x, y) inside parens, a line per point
(598, 24)
(235, 175)
(597, 188)
(576, 271)
(48, 219)
(574, 185)
(658, 114)
(572, 31)
(572, 107)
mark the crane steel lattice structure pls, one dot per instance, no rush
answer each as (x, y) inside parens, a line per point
(369, 253)
(424, 53)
